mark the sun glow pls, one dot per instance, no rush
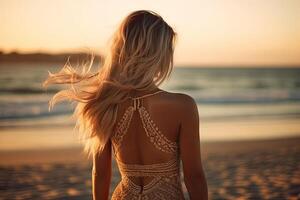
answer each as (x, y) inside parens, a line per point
(224, 32)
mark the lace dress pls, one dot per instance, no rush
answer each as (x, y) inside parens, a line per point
(164, 177)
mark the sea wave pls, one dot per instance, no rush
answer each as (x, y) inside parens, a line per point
(22, 96)
(65, 120)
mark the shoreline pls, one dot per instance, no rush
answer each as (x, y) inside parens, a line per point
(53, 137)
(76, 154)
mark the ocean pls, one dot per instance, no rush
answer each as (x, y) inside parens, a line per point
(223, 95)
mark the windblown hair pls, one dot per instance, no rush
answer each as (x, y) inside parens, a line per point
(140, 58)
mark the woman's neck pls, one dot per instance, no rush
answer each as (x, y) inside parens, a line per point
(137, 93)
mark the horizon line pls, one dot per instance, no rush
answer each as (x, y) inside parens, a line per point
(180, 65)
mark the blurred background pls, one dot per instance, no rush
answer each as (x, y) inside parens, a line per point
(239, 60)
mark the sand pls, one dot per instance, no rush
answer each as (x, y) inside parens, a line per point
(265, 169)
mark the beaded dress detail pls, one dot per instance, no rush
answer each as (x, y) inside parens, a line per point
(164, 177)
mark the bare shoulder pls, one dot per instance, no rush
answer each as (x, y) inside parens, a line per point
(180, 102)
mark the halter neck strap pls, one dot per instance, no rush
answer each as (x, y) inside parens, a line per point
(146, 95)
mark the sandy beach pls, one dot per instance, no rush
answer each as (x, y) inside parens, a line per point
(260, 169)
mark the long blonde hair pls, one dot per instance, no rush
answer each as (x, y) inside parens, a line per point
(140, 58)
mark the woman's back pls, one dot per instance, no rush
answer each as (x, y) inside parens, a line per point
(147, 132)
(146, 148)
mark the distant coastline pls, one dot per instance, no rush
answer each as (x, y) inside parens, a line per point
(46, 57)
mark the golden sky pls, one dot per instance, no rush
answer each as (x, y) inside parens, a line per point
(211, 32)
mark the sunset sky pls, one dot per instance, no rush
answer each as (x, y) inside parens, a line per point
(211, 32)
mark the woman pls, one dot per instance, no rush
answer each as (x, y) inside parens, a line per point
(122, 111)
